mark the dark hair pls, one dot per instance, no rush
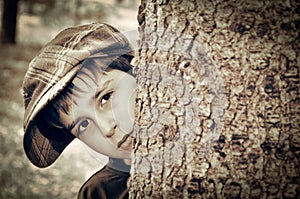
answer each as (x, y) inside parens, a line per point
(48, 119)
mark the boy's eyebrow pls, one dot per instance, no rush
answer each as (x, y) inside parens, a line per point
(71, 126)
(104, 85)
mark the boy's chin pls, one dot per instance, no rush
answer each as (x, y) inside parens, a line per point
(127, 161)
(125, 150)
(123, 155)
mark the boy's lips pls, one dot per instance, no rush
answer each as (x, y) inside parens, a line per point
(123, 140)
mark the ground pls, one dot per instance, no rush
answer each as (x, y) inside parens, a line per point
(18, 178)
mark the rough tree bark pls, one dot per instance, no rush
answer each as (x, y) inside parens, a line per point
(218, 106)
(9, 21)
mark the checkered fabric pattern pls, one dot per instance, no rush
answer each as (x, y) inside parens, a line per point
(52, 69)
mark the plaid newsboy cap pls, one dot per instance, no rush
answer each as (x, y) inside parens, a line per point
(52, 69)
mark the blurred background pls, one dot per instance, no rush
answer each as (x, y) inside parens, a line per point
(26, 26)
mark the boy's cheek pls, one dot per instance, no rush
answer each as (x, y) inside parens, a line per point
(124, 114)
(132, 107)
(123, 104)
(96, 141)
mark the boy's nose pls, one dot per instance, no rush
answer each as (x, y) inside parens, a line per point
(111, 132)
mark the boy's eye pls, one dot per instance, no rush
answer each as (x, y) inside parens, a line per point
(106, 97)
(83, 126)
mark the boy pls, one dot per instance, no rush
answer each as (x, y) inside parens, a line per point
(80, 86)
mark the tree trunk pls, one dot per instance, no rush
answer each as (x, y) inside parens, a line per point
(9, 21)
(218, 105)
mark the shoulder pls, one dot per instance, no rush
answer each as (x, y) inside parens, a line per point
(106, 183)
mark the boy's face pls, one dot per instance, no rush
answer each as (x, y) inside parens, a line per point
(102, 112)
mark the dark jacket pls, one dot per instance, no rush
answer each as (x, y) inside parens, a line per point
(108, 183)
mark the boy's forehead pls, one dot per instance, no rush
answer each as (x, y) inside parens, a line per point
(87, 79)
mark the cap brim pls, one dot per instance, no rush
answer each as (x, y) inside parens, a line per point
(41, 151)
